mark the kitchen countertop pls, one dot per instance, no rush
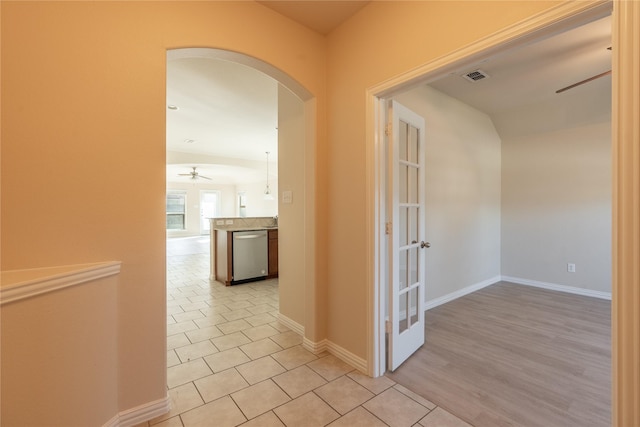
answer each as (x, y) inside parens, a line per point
(240, 228)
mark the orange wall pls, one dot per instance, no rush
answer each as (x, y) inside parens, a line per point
(57, 370)
(83, 142)
(83, 150)
(383, 41)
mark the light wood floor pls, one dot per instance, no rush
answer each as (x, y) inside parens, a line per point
(516, 355)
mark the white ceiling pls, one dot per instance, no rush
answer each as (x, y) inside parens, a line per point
(225, 110)
(230, 110)
(533, 73)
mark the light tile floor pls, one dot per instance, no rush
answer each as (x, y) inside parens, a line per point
(230, 362)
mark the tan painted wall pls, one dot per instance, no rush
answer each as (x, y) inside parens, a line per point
(291, 165)
(83, 142)
(83, 83)
(384, 40)
(59, 357)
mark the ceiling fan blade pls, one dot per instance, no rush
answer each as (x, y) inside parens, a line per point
(584, 81)
(194, 174)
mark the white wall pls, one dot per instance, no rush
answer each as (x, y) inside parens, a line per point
(254, 192)
(556, 193)
(227, 205)
(556, 205)
(462, 192)
(257, 206)
(550, 207)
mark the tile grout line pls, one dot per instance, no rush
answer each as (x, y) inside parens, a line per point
(197, 290)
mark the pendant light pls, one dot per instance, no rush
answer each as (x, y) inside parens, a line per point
(267, 190)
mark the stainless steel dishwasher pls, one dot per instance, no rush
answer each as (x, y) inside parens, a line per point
(250, 255)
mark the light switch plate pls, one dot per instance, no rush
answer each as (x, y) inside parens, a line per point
(287, 197)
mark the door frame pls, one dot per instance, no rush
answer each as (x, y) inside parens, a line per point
(553, 21)
(625, 175)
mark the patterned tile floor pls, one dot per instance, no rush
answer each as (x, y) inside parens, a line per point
(230, 362)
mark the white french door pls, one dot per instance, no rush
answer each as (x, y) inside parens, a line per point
(407, 228)
(209, 208)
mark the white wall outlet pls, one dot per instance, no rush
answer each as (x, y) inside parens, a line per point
(571, 268)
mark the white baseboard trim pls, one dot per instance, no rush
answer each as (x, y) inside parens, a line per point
(341, 353)
(346, 356)
(559, 288)
(315, 347)
(461, 292)
(291, 324)
(140, 414)
(324, 345)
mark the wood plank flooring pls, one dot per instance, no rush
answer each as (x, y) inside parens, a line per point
(513, 355)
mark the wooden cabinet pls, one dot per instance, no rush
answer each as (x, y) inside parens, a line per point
(273, 253)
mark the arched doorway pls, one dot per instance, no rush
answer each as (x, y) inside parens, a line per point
(296, 183)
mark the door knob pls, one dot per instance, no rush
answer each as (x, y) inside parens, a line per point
(424, 244)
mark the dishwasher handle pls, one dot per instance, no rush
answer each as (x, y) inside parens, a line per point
(248, 236)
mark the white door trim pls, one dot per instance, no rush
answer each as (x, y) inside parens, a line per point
(552, 21)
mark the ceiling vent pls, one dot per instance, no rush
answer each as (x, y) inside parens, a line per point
(476, 75)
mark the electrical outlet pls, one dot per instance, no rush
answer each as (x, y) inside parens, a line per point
(571, 268)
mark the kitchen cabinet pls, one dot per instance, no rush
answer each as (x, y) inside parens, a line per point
(223, 259)
(273, 253)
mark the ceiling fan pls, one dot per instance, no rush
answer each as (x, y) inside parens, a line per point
(581, 82)
(194, 174)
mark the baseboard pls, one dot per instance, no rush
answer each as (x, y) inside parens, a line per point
(140, 414)
(324, 345)
(315, 347)
(332, 348)
(346, 356)
(559, 288)
(291, 324)
(460, 292)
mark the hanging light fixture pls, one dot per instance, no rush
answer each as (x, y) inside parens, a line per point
(267, 190)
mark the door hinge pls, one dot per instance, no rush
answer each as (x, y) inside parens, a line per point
(387, 326)
(387, 228)
(387, 129)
